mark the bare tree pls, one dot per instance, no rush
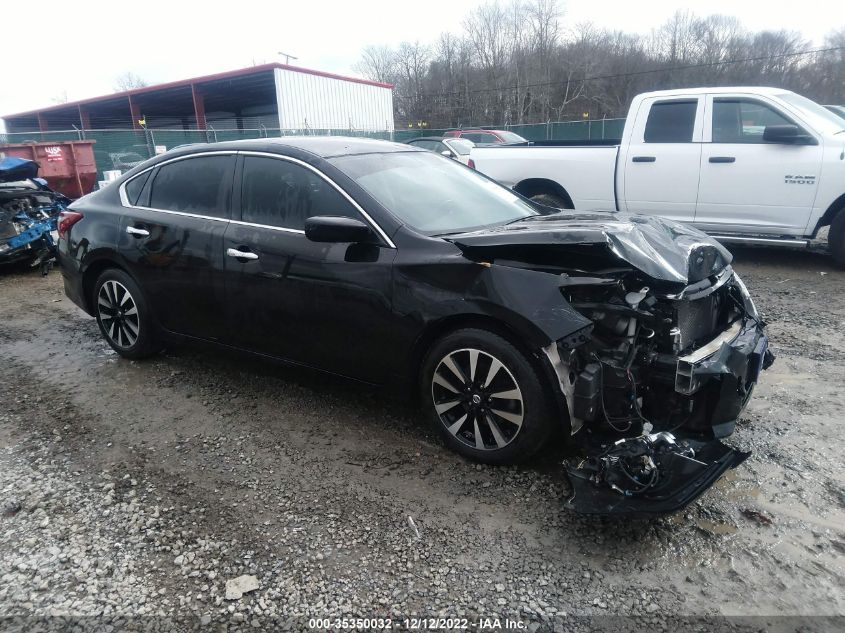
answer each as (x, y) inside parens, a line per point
(517, 61)
(377, 63)
(128, 81)
(411, 67)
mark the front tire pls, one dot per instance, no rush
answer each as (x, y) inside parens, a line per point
(485, 397)
(836, 239)
(123, 315)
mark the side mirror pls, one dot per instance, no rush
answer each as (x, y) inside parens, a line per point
(447, 153)
(335, 228)
(787, 135)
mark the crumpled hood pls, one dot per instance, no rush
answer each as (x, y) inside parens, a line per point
(662, 249)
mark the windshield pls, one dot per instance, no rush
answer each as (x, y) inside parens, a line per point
(837, 110)
(820, 116)
(432, 194)
(459, 145)
(510, 137)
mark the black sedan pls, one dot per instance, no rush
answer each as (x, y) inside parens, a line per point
(398, 267)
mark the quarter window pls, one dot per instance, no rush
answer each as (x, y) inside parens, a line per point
(743, 120)
(280, 193)
(671, 122)
(133, 187)
(200, 185)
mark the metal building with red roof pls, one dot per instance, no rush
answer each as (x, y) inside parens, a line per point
(270, 95)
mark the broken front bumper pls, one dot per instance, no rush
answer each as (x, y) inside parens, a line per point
(657, 473)
(720, 376)
(649, 475)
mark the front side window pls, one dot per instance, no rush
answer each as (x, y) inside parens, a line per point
(432, 195)
(200, 185)
(671, 122)
(743, 120)
(283, 194)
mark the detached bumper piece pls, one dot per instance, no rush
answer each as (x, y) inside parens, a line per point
(649, 475)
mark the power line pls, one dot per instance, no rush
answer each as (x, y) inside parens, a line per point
(630, 74)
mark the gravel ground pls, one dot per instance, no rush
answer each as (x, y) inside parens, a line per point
(131, 493)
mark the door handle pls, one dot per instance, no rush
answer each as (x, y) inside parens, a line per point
(234, 252)
(722, 159)
(137, 232)
(643, 159)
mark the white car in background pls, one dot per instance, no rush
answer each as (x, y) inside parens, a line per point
(457, 148)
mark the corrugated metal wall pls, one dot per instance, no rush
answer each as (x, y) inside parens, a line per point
(309, 101)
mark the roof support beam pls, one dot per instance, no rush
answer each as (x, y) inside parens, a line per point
(84, 118)
(135, 113)
(199, 106)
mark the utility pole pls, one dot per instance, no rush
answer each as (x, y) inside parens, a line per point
(287, 57)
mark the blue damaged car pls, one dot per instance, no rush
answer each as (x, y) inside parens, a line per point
(29, 213)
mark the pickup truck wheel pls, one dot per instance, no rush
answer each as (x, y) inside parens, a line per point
(485, 397)
(836, 239)
(549, 200)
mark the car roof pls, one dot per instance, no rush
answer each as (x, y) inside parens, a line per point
(760, 90)
(331, 146)
(322, 146)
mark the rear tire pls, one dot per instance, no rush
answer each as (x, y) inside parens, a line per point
(486, 398)
(124, 316)
(836, 239)
(550, 200)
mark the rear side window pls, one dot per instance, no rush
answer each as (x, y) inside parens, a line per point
(283, 194)
(200, 185)
(670, 122)
(134, 187)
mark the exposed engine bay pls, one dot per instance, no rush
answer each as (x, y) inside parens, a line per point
(649, 356)
(29, 212)
(657, 366)
(661, 366)
(666, 371)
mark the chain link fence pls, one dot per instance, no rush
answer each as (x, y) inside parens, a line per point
(590, 130)
(123, 149)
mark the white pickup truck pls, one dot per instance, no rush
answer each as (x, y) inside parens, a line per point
(754, 165)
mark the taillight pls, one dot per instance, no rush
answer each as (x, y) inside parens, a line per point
(66, 220)
(471, 164)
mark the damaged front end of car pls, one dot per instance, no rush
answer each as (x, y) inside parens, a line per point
(670, 357)
(29, 212)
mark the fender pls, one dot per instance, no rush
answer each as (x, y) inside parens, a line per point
(528, 302)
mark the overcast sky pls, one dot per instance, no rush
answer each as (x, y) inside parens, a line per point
(80, 47)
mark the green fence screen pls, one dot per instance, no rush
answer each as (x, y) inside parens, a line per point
(123, 149)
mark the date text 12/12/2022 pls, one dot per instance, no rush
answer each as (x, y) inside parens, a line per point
(492, 623)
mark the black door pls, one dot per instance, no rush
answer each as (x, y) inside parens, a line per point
(171, 238)
(324, 305)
